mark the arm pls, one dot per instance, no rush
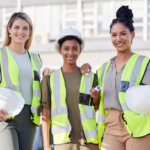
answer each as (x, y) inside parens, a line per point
(47, 71)
(96, 98)
(2, 115)
(86, 68)
(95, 94)
(46, 110)
(146, 78)
(46, 120)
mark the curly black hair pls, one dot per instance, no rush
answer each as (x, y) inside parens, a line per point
(70, 37)
(125, 16)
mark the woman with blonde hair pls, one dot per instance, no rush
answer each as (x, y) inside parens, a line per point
(19, 72)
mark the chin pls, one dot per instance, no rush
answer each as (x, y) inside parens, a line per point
(71, 62)
(121, 49)
(20, 42)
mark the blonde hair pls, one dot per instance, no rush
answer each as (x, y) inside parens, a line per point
(15, 16)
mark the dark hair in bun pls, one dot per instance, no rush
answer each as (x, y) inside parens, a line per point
(124, 16)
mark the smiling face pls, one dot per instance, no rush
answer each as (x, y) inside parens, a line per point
(19, 31)
(121, 37)
(70, 51)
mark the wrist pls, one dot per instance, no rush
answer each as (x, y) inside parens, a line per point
(96, 102)
(46, 145)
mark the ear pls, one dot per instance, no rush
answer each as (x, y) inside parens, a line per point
(133, 35)
(59, 50)
(9, 30)
(80, 51)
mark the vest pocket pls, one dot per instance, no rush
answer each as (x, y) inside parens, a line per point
(85, 99)
(36, 76)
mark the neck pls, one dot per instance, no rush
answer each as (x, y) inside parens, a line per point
(69, 67)
(17, 48)
(124, 56)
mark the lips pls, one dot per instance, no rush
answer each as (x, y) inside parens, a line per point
(20, 37)
(70, 58)
(120, 44)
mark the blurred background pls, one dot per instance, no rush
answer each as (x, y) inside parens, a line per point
(91, 17)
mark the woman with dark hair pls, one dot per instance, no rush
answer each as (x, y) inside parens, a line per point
(66, 99)
(120, 128)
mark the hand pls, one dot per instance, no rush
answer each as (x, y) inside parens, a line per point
(47, 71)
(86, 68)
(47, 148)
(95, 94)
(2, 115)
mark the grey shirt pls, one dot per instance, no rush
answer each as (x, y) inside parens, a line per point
(112, 85)
(25, 75)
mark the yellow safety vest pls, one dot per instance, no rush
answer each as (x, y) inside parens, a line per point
(60, 123)
(137, 125)
(10, 78)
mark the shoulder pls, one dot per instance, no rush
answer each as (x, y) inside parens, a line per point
(148, 67)
(36, 57)
(103, 66)
(33, 54)
(141, 56)
(45, 80)
(3, 49)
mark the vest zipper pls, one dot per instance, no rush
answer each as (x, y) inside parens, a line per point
(123, 119)
(144, 73)
(84, 138)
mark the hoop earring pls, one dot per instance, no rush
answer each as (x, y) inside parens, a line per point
(9, 35)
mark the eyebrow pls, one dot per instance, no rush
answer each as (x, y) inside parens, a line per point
(121, 32)
(68, 46)
(24, 26)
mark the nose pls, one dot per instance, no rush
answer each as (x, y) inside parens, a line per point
(118, 38)
(20, 31)
(70, 52)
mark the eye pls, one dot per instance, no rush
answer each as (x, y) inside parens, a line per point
(16, 27)
(66, 49)
(75, 48)
(123, 33)
(113, 35)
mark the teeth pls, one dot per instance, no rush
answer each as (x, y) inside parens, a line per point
(120, 44)
(20, 36)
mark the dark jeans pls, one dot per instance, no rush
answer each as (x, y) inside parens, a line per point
(19, 133)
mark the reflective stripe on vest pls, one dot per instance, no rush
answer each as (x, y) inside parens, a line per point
(132, 75)
(9, 84)
(87, 112)
(12, 82)
(61, 127)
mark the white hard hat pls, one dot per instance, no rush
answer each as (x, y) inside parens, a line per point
(11, 102)
(69, 32)
(138, 99)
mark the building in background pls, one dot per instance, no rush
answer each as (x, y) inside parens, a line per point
(91, 17)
